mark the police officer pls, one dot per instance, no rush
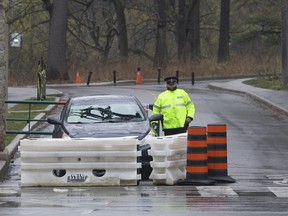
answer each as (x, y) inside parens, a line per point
(176, 107)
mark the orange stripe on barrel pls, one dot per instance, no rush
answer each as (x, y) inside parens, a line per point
(216, 128)
(198, 169)
(197, 131)
(218, 166)
(217, 153)
(194, 143)
(197, 156)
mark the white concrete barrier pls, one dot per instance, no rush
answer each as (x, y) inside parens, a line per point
(79, 162)
(169, 158)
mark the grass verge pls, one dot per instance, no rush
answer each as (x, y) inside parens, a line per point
(21, 112)
(268, 83)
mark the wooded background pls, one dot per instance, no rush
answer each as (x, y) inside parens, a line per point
(208, 37)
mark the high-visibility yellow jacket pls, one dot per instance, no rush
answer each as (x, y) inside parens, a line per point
(175, 106)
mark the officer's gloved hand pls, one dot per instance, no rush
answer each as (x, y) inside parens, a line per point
(189, 119)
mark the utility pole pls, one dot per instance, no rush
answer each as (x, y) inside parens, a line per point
(284, 45)
(3, 76)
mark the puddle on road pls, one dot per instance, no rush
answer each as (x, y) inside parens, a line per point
(10, 204)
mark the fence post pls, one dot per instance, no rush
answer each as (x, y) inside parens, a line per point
(89, 78)
(114, 77)
(192, 77)
(158, 75)
(177, 75)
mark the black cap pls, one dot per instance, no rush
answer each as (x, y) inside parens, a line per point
(171, 79)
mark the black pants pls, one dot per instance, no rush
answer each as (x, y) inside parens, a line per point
(173, 131)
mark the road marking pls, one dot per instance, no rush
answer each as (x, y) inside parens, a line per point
(277, 177)
(87, 211)
(148, 188)
(216, 191)
(7, 192)
(60, 190)
(279, 191)
(152, 94)
(283, 182)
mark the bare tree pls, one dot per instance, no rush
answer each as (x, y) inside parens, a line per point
(161, 53)
(96, 32)
(94, 28)
(223, 50)
(195, 30)
(191, 40)
(122, 31)
(3, 77)
(284, 42)
(57, 67)
(181, 30)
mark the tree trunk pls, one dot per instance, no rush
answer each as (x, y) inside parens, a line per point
(284, 35)
(223, 49)
(3, 77)
(192, 32)
(180, 31)
(161, 53)
(195, 36)
(57, 66)
(122, 31)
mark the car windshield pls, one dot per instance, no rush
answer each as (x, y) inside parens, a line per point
(104, 111)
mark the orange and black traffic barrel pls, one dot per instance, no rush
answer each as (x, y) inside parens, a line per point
(197, 164)
(217, 153)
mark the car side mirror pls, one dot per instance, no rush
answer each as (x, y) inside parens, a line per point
(156, 117)
(54, 121)
(57, 121)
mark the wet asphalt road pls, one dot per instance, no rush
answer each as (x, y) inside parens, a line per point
(257, 160)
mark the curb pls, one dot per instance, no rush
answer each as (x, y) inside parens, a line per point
(254, 97)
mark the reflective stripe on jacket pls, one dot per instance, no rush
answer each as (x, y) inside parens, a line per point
(175, 106)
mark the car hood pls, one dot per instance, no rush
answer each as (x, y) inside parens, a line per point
(103, 130)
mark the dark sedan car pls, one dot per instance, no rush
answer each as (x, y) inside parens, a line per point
(106, 116)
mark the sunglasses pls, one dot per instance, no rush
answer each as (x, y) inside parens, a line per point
(172, 82)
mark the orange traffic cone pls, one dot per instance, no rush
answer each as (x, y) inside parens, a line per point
(139, 77)
(78, 79)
